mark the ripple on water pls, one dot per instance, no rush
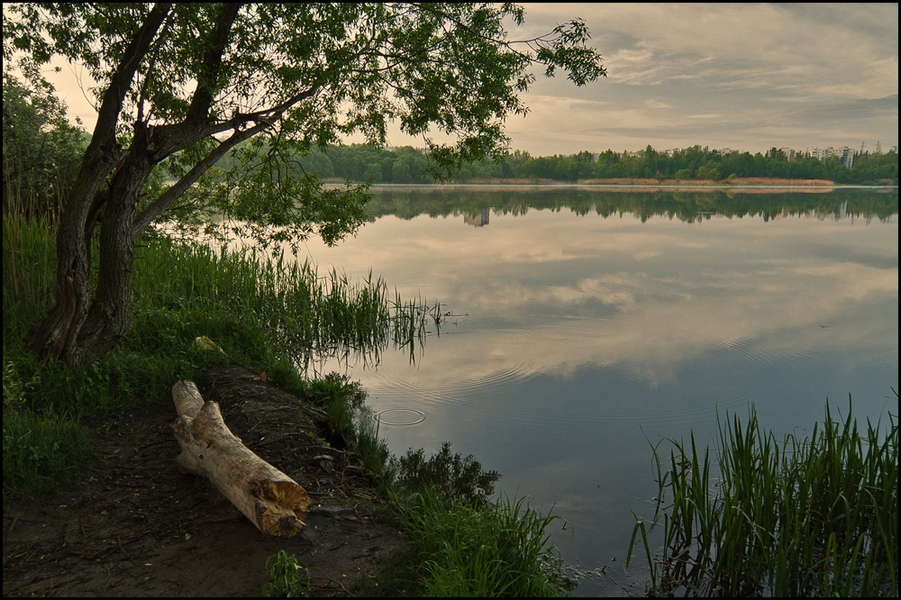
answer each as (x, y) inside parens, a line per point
(400, 417)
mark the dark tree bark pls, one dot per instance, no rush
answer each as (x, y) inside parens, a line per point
(109, 317)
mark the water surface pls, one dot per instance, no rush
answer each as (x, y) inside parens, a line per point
(586, 324)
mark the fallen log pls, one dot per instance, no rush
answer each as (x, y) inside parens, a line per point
(274, 502)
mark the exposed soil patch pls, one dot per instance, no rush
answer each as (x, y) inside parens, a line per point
(134, 525)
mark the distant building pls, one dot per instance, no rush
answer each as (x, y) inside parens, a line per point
(823, 153)
(847, 157)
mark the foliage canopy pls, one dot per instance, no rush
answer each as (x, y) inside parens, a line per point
(183, 85)
(299, 75)
(41, 149)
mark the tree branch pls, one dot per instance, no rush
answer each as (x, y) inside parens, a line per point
(263, 119)
(158, 206)
(208, 77)
(169, 139)
(114, 97)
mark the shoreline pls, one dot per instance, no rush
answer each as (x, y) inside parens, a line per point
(748, 188)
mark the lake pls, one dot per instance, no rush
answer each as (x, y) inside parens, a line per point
(587, 324)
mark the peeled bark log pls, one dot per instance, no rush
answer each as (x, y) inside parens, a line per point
(274, 502)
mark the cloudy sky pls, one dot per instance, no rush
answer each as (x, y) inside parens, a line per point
(742, 76)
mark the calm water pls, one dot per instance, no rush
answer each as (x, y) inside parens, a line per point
(586, 323)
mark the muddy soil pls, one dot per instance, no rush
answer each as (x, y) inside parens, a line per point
(134, 525)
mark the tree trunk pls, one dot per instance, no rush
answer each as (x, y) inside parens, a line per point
(274, 502)
(110, 315)
(81, 328)
(56, 334)
(61, 333)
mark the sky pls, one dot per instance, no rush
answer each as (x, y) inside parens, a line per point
(741, 76)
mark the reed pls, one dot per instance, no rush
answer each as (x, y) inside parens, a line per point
(311, 317)
(29, 265)
(811, 516)
(492, 549)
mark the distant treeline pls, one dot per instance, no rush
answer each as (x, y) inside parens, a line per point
(409, 165)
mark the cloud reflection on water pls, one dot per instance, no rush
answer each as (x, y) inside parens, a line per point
(644, 297)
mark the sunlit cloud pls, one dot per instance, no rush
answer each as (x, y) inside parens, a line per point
(657, 104)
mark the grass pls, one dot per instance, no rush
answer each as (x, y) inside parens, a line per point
(37, 448)
(264, 314)
(816, 516)
(462, 542)
(497, 548)
(308, 316)
(290, 578)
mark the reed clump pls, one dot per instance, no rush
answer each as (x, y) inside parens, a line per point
(463, 542)
(499, 549)
(309, 316)
(813, 516)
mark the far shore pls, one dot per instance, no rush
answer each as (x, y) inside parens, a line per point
(622, 187)
(749, 185)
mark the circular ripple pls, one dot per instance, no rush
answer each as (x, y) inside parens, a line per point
(402, 417)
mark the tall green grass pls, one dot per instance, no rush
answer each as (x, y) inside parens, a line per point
(29, 269)
(499, 548)
(816, 516)
(308, 316)
(264, 313)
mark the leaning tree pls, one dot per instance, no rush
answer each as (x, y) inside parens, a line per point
(183, 85)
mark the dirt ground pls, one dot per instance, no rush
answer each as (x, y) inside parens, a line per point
(134, 525)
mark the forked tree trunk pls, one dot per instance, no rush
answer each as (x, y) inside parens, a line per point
(272, 501)
(110, 315)
(80, 327)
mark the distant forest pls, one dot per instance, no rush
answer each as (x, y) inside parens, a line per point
(409, 165)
